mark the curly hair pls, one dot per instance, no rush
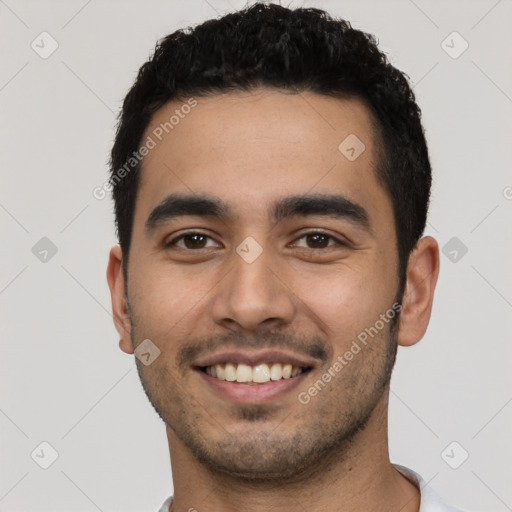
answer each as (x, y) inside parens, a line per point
(299, 50)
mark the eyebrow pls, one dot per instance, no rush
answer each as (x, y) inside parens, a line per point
(328, 205)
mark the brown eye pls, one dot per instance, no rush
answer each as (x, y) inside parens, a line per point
(319, 240)
(190, 241)
(194, 241)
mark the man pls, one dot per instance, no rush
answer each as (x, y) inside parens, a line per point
(271, 182)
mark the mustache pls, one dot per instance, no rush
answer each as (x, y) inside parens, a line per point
(309, 346)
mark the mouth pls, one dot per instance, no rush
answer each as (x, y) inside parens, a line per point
(254, 374)
(253, 377)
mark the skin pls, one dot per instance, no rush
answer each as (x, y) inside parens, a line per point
(250, 149)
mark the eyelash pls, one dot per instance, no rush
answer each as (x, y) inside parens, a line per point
(169, 244)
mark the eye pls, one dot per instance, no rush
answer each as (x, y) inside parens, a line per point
(196, 240)
(192, 240)
(319, 240)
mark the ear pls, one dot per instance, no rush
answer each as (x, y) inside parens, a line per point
(422, 273)
(120, 310)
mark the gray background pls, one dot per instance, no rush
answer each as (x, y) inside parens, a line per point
(64, 380)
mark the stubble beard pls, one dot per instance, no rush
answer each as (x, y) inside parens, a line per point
(266, 457)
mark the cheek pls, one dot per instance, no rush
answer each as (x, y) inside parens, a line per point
(347, 299)
(162, 301)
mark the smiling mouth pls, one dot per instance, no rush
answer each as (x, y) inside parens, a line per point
(257, 374)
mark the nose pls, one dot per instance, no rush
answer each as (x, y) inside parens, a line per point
(254, 296)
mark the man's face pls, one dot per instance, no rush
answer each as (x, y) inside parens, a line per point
(262, 285)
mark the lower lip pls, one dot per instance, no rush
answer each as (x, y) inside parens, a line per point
(239, 393)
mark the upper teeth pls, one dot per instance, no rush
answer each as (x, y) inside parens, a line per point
(260, 373)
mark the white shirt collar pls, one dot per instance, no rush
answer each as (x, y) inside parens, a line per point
(430, 501)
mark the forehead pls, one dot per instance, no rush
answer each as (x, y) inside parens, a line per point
(252, 147)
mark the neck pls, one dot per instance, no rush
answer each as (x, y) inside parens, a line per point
(356, 477)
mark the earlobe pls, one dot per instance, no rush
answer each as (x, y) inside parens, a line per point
(120, 311)
(422, 273)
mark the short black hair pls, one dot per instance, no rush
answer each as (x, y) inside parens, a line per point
(300, 50)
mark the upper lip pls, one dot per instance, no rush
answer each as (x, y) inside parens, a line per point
(254, 358)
